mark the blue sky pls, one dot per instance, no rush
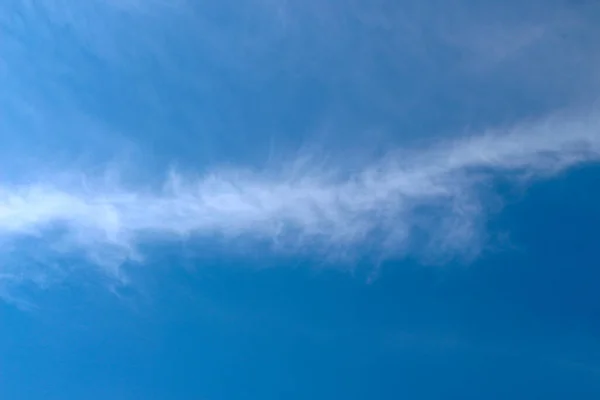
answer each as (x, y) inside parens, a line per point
(258, 199)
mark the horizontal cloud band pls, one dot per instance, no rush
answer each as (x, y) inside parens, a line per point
(435, 191)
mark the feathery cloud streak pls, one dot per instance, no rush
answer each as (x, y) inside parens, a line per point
(434, 191)
(411, 201)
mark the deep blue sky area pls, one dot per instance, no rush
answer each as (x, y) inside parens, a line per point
(255, 199)
(520, 324)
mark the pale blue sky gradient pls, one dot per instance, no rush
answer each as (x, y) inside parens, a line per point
(258, 199)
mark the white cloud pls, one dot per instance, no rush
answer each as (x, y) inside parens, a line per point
(429, 200)
(411, 200)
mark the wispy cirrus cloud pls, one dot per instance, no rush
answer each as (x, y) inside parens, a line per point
(409, 201)
(141, 66)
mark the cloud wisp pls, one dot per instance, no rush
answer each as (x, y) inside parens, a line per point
(409, 201)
